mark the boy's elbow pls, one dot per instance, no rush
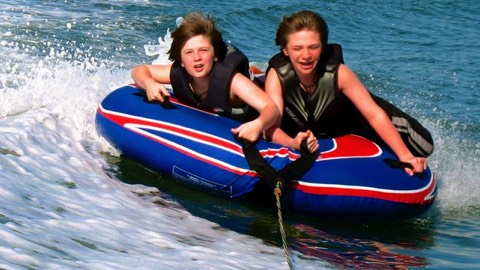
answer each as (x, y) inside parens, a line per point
(136, 70)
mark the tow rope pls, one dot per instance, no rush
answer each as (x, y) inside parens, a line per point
(278, 192)
(278, 179)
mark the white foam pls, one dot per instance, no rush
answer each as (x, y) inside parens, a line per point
(61, 210)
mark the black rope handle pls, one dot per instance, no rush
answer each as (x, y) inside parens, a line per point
(393, 163)
(166, 104)
(267, 173)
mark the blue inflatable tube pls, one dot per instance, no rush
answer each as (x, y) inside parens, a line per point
(349, 180)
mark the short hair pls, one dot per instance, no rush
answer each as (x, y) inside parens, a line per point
(302, 20)
(195, 24)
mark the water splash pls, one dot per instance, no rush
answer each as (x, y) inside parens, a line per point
(160, 49)
(455, 163)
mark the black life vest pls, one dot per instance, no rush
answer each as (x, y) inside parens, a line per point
(303, 111)
(329, 113)
(217, 99)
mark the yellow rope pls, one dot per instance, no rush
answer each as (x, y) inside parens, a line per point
(278, 192)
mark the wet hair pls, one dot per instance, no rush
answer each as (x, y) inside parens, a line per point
(302, 20)
(196, 24)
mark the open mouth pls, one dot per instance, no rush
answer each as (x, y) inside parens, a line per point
(307, 65)
(198, 67)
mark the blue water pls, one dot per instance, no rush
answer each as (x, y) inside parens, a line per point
(68, 201)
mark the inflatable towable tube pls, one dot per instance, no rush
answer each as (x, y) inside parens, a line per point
(349, 179)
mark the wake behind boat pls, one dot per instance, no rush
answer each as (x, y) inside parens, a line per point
(352, 177)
